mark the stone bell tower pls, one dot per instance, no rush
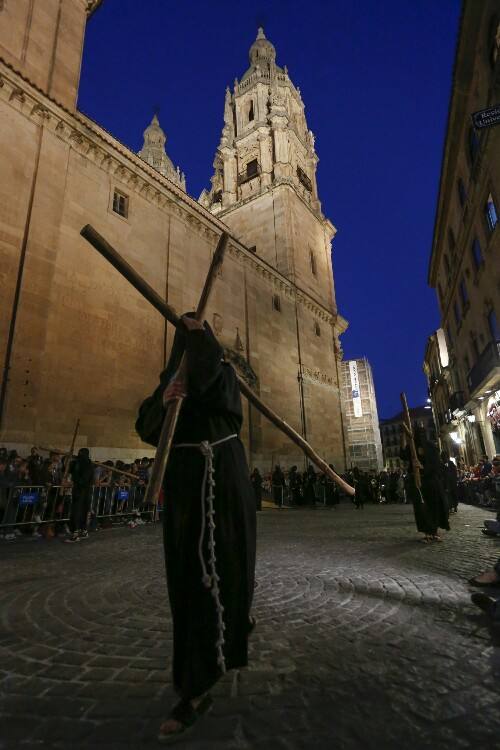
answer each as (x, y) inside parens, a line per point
(264, 183)
(153, 152)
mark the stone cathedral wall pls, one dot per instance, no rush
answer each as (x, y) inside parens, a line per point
(85, 344)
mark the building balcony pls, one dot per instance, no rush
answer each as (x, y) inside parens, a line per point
(456, 404)
(457, 401)
(486, 371)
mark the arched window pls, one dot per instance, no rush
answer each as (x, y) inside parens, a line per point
(491, 213)
(494, 41)
(312, 260)
(276, 303)
(477, 255)
(464, 294)
(250, 111)
(493, 325)
(317, 329)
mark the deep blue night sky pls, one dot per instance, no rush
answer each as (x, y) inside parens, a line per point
(375, 78)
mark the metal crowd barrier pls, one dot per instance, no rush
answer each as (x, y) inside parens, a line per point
(282, 495)
(38, 505)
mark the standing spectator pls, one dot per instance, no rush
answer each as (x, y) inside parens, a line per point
(278, 480)
(450, 482)
(360, 484)
(309, 482)
(82, 474)
(330, 489)
(256, 479)
(486, 467)
(400, 490)
(8, 510)
(295, 486)
(35, 462)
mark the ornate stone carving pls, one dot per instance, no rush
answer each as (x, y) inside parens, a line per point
(241, 365)
(316, 376)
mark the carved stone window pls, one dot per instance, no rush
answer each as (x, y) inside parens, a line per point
(317, 329)
(276, 303)
(251, 113)
(120, 204)
(252, 168)
(217, 197)
(304, 179)
(312, 260)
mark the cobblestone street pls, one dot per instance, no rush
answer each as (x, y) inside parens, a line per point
(365, 639)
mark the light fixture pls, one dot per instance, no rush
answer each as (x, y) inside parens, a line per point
(471, 417)
(456, 439)
(427, 407)
(488, 391)
(480, 398)
(429, 401)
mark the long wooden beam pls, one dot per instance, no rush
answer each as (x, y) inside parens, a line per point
(126, 270)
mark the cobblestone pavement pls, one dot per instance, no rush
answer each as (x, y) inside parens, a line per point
(365, 639)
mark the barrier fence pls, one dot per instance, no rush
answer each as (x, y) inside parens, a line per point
(282, 496)
(38, 505)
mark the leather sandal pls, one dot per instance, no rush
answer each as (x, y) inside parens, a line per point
(483, 584)
(186, 715)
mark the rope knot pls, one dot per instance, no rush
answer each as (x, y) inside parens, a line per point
(206, 448)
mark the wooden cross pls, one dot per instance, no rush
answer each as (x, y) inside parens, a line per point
(415, 463)
(126, 270)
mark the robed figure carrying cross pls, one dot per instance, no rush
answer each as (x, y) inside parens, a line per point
(209, 423)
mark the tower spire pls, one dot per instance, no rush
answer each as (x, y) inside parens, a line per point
(153, 152)
(265, 139)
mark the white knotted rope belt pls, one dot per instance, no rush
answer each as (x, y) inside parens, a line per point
(209, 577)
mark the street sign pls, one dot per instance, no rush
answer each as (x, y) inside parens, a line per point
(486, 118)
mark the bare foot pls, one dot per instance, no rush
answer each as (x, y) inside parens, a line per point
(173, 726)
(489, 576)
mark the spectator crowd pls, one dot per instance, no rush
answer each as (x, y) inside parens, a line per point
(36, 494)
(36, 491)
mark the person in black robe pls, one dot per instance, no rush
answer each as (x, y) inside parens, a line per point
(451, 482)
(309, 484)
(429, 504)
(199, 587)
(82, 475)
(256, 479)
(278, 483)
(295, 486)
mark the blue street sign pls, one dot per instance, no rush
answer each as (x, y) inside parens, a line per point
(486, 118)
(29, 498)
(122, 494)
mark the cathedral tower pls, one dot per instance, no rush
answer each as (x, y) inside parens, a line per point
(153, 152)
(264, 183)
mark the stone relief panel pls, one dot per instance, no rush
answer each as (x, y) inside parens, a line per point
(316, 376)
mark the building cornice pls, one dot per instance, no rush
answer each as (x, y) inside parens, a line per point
(94, 143)
(92, 5)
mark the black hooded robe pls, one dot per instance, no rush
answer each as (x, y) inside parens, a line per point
(211, 411)
(432, 513)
